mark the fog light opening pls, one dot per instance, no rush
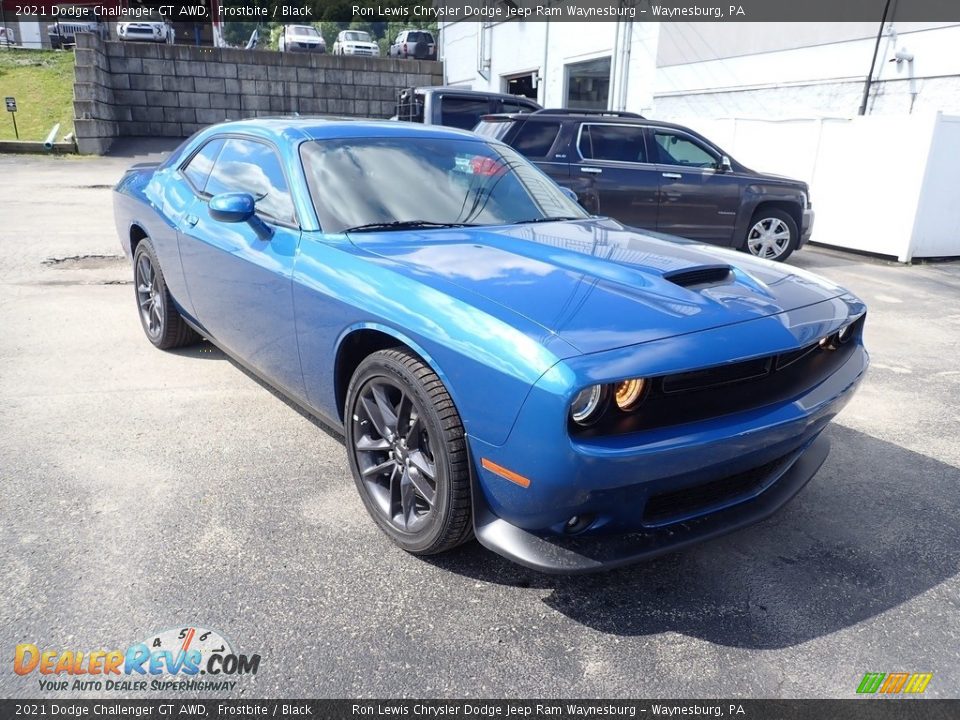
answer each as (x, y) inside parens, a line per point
(578, 523)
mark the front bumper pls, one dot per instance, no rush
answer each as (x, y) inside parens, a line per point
(299, 47)
(645, 493)
(806, 226)
(584, 554)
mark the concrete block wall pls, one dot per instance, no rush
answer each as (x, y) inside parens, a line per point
(141, 89)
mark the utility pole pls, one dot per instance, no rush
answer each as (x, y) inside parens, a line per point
(873, 61)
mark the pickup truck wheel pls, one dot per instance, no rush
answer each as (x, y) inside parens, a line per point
(162, 324)
(407, 452)
(772, 235)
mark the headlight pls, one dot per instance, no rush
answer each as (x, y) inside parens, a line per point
(587, 406)
(628, 393)
(805, 199)
(846, 332)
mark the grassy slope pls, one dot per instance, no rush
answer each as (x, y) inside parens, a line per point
(42, 83)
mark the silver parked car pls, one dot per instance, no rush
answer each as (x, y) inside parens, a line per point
(417, 44)
(355, 42)
(301, 38)
(156, 31)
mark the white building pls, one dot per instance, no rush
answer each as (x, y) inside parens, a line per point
(680, 69)
(780, 97)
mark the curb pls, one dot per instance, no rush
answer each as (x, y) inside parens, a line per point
(36, 147)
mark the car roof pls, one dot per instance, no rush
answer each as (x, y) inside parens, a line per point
(478, 93)
(585, 117)
(297, 129)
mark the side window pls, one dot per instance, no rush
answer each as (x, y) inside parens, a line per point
(253, 167)
(516, 107)
(198, 169)
(535, 139)
(620, 143)
(462, 112)
(677, 149)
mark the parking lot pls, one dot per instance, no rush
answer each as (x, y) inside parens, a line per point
(145, 490)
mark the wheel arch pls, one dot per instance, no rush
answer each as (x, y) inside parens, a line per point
(791, 208)
(363, 339)
(137, 234)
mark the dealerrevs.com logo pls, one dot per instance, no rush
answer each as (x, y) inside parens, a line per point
(190, 658)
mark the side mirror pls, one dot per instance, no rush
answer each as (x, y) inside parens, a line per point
(570, 194)
(232, 207)
(237, 207)
(725, 165)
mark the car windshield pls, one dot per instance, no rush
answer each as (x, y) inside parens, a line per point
(356, 36)
(305, 30)
(432, 181)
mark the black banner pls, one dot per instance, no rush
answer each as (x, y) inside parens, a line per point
(305, 11)
(855, 709)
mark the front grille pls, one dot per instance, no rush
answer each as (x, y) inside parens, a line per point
(725, 389)
(689, 501)
(712, 377)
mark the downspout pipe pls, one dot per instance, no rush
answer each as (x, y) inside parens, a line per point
(873, 61)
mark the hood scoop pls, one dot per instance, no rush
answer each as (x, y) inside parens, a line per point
(700, 276)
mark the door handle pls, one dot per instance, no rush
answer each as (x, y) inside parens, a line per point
(591, 170)
(191, 220)
(673, 176)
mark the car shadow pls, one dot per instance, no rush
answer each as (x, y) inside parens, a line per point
(876, 527)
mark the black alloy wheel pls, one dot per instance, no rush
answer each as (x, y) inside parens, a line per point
(162, 323)
(407, 452)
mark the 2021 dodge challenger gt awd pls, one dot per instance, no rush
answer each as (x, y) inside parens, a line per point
(575, 393)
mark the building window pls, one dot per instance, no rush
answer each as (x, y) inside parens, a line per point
(588, 84)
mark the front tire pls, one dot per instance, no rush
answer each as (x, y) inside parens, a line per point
(162, 323)
(772, 235)
(407, 452)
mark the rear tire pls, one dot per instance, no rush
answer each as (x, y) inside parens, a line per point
(162, 323)
(772, 235)
(407, 452)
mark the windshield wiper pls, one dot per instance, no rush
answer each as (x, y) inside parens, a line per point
(549, 218)
(406, 225)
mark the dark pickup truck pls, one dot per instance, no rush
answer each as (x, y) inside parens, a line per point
(660, 176)
(456, 107)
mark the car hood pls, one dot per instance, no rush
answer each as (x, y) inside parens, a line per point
(597, 284)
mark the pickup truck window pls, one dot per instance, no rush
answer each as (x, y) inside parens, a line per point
(462, 112)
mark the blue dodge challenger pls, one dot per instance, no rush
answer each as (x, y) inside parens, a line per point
(575, 393)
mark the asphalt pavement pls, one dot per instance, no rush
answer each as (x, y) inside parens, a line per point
(146, 490)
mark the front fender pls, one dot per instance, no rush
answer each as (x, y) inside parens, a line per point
(756, 193)
(487, 357)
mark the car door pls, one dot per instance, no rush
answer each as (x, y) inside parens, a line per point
(612, 175)
(241, 284)
(698, 199)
